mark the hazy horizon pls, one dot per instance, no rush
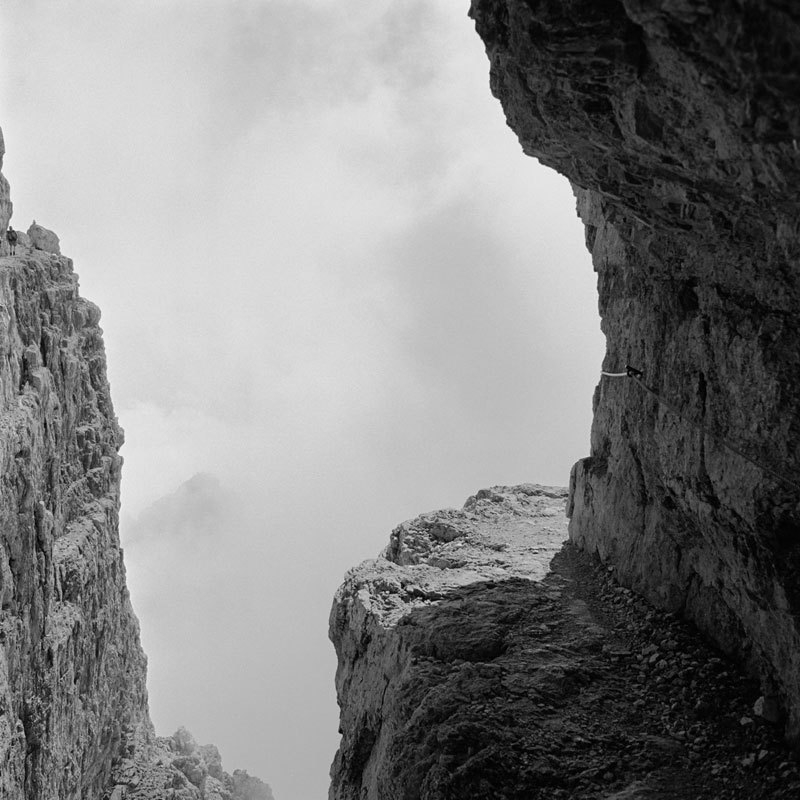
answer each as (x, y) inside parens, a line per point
(335, 295)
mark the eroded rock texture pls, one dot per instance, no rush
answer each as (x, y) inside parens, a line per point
(678, 124)
(6, 207)
(431, 655)
(176, 767)
(40, 238)
(74, 722)
(71, 668)
(479, 659)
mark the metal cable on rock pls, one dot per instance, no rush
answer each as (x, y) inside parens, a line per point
(636, 374)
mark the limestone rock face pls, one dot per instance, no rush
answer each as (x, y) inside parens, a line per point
(23, 242)
(41, 238)
(679, 126)
(429, 626)
(6, 207)
(71, 668)
(477, 662)
(177, 767)
(74, 721)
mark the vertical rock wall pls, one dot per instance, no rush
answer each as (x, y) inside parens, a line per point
(72, 673)
(679, 126)
(5, 194)
(74, 721)
(438, 671)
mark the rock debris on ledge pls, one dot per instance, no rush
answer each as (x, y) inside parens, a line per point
(678, 124)
(482, 657)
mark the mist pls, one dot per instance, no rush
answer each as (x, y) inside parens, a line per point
(335, 295)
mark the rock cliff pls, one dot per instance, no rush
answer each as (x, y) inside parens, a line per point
(678, 124)
(6, 207)
(425, 626)
(74, 722)
(463, 670)
(479, 659)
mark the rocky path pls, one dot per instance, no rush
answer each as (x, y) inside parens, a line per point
(501, 679)
(650, 710)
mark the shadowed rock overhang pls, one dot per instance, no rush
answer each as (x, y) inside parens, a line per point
(679, 126)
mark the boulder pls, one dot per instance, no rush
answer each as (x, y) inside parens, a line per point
(43, 239)
(23, 240)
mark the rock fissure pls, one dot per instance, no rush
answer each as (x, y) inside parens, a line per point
(704, 428)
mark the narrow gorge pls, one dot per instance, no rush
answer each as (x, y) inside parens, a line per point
(677, 124)
(633, 636)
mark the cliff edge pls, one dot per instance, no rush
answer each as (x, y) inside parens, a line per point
(679, 126)
(480, 657)
(74, 721)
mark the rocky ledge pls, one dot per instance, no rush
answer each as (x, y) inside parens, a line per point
(481, 657)
(678, 123)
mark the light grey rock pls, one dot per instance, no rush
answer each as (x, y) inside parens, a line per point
(248, 787)
(401, 621)
(160, 765)
(6, 206)
(43, 239)
(74, 721)
(72, 676)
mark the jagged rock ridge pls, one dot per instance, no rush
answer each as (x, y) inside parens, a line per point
(679, 126)
(74, 721)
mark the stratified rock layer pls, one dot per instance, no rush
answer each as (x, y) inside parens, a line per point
(679, 125)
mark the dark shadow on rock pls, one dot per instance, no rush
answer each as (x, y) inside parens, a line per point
(487, 670)
(569, 687)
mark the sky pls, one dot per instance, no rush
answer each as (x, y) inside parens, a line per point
(335, 295)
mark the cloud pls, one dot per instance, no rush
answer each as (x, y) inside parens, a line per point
(331, 285)
(198, 508)
(233, 630)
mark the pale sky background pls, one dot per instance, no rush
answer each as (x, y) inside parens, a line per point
(335, 295)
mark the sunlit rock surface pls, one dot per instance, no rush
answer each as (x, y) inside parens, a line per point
(74, 722)
(678, 124)
(422, 628)
(71, 668)
(6, 207)
(480, 659)
(41, 238)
